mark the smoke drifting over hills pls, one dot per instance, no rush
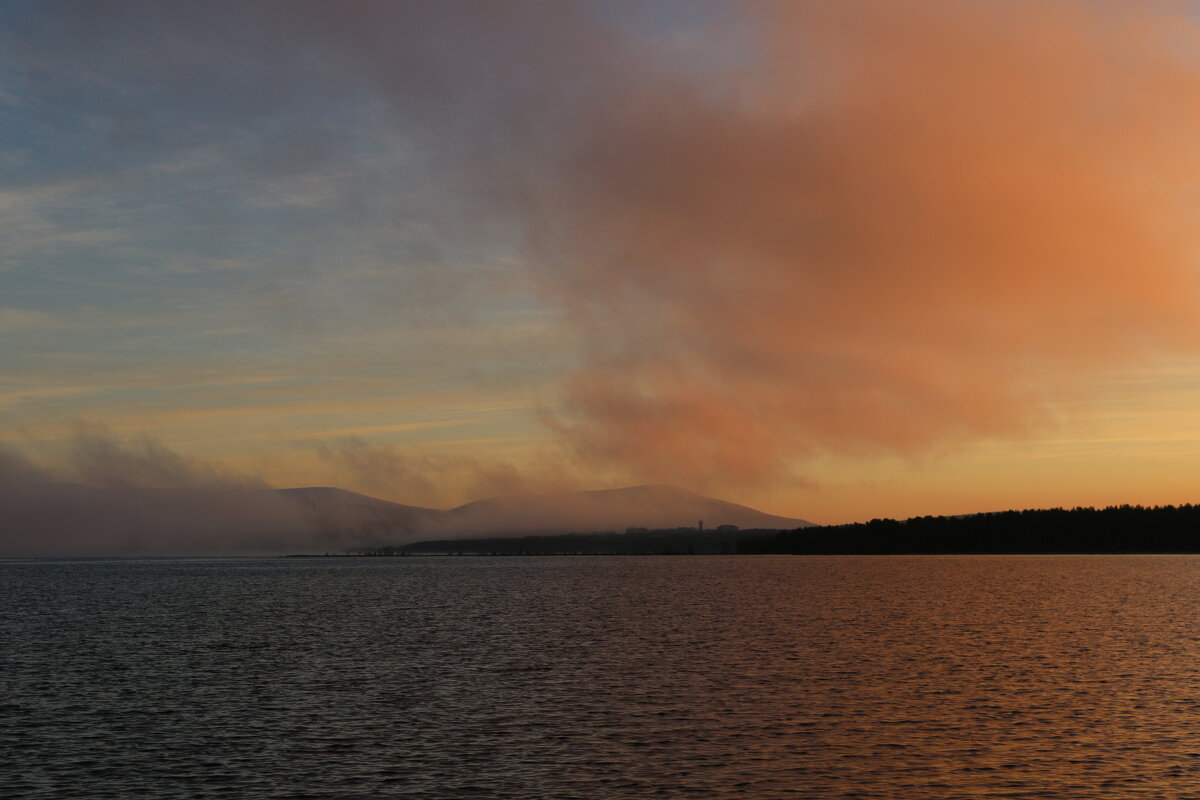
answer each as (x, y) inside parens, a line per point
(850, 227)
(147, 500)
(109, 497)
(438, 479)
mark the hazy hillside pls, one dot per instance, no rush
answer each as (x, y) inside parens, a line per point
(62, 519)
(603, 510)
(339, 512)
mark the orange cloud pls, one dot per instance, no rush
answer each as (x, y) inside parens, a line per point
(895, 229)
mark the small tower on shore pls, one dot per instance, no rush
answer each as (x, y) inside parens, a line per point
(701, 526)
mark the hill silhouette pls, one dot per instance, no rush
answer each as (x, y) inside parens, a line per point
(603, 510)
(61, 519)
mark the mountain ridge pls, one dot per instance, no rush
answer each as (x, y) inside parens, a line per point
(44, 519)
(598, 510)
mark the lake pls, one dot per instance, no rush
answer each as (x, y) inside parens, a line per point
(602, 677)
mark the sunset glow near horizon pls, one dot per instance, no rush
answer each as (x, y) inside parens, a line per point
(834, 261)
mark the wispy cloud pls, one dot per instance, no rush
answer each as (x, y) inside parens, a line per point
(22, 320)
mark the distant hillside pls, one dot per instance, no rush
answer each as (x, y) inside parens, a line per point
(603, 510)
(61, 519)
(65, 519)
(338, 511)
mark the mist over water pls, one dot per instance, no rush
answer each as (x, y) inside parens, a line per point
(914, 677)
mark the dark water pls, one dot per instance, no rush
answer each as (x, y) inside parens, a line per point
(711, 677)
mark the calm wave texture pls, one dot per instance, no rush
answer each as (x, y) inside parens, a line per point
(626, 677)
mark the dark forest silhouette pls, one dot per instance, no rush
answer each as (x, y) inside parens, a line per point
(1115, 529)
(635, 541)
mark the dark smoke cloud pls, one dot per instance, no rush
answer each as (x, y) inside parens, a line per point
(16, 469)
(95, 457)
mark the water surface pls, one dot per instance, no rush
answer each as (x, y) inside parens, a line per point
(624, 677)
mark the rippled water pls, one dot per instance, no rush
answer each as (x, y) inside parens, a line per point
(713, 677)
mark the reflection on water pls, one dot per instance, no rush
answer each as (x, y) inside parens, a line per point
(912, 677)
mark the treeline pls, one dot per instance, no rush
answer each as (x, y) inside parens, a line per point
(633, 542)
(390, 550)
(1115, 529)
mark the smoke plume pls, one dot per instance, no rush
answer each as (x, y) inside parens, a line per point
(96, 458)
(901, 225)
(797, 227)
(102, 495)
(434, 479)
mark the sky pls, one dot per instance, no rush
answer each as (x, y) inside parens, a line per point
(834, 260)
